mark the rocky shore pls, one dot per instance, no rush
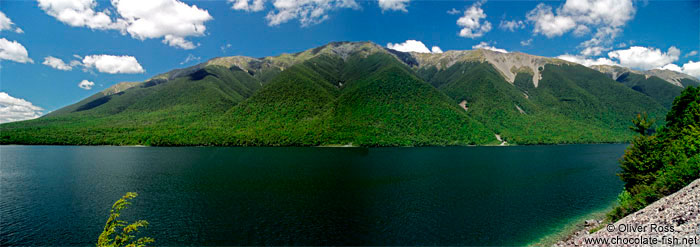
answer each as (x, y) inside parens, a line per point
(671, 221)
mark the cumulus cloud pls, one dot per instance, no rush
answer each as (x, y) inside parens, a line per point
(471, 24)
(56, 63)
(79, 13)
(487, 46)
(247, 5)
(692, 68)
(549, 24)
(413, 46)
(85, 84)
(395, 5)
(7, 24)
(526, 42)
(308, 12)
(16, 109)
(645, 57)
(14, 51)
(171, 20)
(691, 53)
(511, 25)
(587, 61)
(113, 64)
(605, 18)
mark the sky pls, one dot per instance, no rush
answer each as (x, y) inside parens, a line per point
(56, 52)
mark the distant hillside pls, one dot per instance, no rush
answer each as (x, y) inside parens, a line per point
(356, 93)
(661, 85)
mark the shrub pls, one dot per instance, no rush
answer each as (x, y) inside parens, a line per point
(126, 235)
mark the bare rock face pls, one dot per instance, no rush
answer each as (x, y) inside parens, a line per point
(672, 77)
(119, 87)
(508, 64)
(672, 218)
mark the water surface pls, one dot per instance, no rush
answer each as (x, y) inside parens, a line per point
(61, 195)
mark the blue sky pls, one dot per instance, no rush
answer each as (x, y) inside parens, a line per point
(123, 40)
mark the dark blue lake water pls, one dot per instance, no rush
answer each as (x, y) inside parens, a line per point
(61, 195)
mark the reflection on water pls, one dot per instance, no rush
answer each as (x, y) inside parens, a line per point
(61, 195)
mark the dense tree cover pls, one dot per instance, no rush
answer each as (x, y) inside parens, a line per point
(572, 104)
(653, 86)
(657, 165)
(368, 99)
(118, 233)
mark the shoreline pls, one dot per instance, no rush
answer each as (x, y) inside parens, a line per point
(573, 227)
(677, 210)
(318, 146)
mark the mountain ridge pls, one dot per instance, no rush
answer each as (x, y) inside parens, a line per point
(353, 92)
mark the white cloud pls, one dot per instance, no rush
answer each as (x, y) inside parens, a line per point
(308, 12)
(56, 63)
(15, 109)
(485, 45)
(471, 24)
(436, 49)
(14, 51)
(549, 24)
(454, 11)
(79, 13)
(7, 24)
(85, 84)
(511, 25)
(672, 67)
(411, 46)
(113, 64)
(691, 53)
(645, 57)
(692, 68)
(526, 42)
(171, 20)
(594, 51)
(248, 5)
(190, 58)
(605, 17)
(587, 61)
(395, 5)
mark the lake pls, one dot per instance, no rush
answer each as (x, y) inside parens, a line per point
(61, 195)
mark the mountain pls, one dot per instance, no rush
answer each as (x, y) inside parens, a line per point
(355, 93)
(661, 85)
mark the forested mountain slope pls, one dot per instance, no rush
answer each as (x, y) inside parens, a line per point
(353, 93)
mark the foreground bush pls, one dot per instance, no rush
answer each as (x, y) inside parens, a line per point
(657, 165)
